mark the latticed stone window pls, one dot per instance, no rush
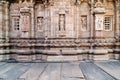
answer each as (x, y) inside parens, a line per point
(108, 23)
(16, 23)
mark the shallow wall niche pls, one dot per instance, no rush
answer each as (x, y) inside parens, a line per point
(99, 12)
(84, 20)
(25, 18)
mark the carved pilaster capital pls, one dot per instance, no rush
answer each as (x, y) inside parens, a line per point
(78, 2)
(117, 3)
(51, 2)
(84, 0)
(1, 4)
(91, 3)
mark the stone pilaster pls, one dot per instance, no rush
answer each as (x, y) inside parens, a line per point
(117, 14)
(4, 29)
(32, 21)
(7, 28)
(117, 29)
(1, 30)
(91, 19)
(1, 20)
(7, 21)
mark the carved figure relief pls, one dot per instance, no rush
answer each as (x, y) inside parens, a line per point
(84, 23)
(39, 23)
(99, 22)
(25, 22)
(62, 22)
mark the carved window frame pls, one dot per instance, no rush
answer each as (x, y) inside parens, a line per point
(108, 22)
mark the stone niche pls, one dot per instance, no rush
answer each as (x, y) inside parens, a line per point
(99, 12)
(25, 22)
(63, 20)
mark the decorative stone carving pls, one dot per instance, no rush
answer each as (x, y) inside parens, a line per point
(84, 23)
(24, 4)
(99, 9)
(62, 22)
(117, 37)
(78, 2)
(99, 15)
(63, 31)
(99, 22)
(84, 0)
(25, 22)
(39, 23)
(51, 2)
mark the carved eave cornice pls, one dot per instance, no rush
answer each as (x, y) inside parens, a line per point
(99, 8)
(4, 3)
(28, 4)
(84, 0)
(89, 2)
(41, 1)
(113, 0)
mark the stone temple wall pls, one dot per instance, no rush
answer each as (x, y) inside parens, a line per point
(59, 30)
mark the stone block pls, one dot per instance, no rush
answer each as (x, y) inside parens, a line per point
(80, 57)
(44, 57)
(101, 57)
(38, 56)
(111, 56)
(4, 57)
(1, 57)
(85, 56)
(24, 58)
(63, 58)
(117, 56)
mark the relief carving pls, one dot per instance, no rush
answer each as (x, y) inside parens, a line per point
(39, 23)
(99, 22)
(84, 23)
(62, 22)
(25, 22)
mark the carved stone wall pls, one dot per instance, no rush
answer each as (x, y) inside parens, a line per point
(46, 27)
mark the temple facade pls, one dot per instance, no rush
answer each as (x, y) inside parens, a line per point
(59, 30)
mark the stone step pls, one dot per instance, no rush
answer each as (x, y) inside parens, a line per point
(63, 58)
(24, 58)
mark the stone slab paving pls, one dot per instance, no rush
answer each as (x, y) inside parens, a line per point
(52, 72)
(34, 72)
(6, 67)
(111, 67)
(71, 71)
(83, 70)
(92, 72)
(2, 63)
(15, 72)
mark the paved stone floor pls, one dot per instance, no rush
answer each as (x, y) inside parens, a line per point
(82, 70)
